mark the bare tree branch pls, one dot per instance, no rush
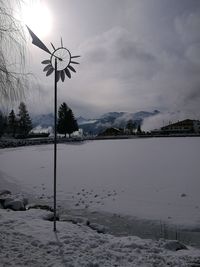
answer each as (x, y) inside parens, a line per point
(13, 79)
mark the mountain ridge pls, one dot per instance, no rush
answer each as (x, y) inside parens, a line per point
(95, 126)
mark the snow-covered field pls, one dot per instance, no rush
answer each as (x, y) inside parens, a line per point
(155, 179)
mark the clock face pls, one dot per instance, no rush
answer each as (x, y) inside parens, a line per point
(63, 58)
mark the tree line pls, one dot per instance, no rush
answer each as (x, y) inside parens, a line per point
(20, 125)
(16, 125)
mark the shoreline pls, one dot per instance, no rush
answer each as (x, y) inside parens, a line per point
(11, 143)
(113, 223)
(116, 224)
(127, 225)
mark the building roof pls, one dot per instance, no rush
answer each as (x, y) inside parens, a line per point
(186, 122)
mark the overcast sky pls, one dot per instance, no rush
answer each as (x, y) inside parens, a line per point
(135, 55)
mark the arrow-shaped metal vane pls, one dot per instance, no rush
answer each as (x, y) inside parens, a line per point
(36, 41)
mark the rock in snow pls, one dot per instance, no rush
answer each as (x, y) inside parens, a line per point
(74, 219)
(174, 245)
(14, 204)
(50, 217)
(39, 206)
(97, 227)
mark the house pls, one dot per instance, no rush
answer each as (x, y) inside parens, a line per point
(111, 132)
(186, 127)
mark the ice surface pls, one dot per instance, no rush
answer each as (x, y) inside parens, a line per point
(155, 178)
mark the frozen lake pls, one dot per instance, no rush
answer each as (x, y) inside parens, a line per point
(150, 178)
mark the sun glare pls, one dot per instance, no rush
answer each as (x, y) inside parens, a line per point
(37, 16)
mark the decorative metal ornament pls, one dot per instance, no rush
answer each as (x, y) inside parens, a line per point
(61, 62)
(64, 61)
(63, 56)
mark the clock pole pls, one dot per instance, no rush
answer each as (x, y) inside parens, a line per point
(55, 145)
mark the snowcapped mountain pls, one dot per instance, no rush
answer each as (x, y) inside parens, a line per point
(95, 126)
(113, 119)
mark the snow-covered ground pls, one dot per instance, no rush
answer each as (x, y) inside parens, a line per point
(28, 240)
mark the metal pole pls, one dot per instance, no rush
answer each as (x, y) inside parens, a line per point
(55, 146)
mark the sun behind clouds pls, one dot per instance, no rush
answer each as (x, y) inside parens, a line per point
(37, 16)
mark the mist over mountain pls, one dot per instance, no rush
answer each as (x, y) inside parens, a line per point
(43, 120)
(95, 126)
(114, 119)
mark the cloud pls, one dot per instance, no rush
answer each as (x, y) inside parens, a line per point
(193, 53)
(187, 26)
(165, 118)
(116, 53)
(114, 66)
(144, 57)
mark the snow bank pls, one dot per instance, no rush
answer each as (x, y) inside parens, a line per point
(28, 240)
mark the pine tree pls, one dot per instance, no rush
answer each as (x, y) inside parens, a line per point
(12, 123)
(3, 123)
(72, 123)
(139, 131)
(67, 124)
(130, 126)
(24, 122)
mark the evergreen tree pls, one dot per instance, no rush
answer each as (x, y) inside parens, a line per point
(12, 123)
(72, 123)
(130, 126)
(3, 123)
(67, 124)
(139, 131)
(24, 121)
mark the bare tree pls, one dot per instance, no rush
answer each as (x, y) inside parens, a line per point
(12, 53)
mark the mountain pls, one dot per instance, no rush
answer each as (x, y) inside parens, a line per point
(113, 119)
(44, 120)
(95, 126)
